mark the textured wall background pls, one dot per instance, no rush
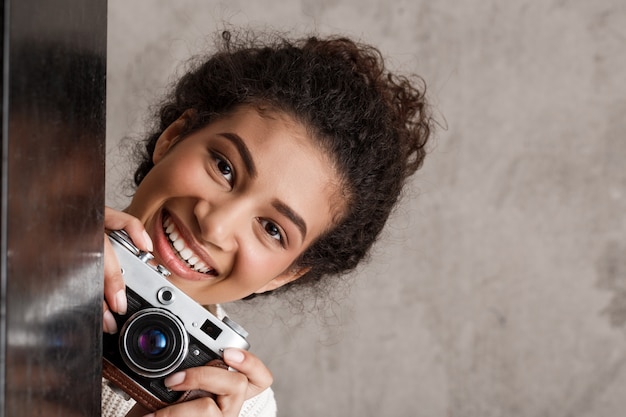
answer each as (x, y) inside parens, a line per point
(500, 286)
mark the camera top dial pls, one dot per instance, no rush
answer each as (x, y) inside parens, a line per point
(123, 239)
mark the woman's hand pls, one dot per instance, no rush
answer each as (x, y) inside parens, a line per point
(231, 389)
(114, 288)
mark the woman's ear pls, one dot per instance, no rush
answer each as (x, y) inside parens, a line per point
(286, 277)
(171, 135)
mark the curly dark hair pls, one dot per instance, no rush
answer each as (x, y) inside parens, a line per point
(374, 124)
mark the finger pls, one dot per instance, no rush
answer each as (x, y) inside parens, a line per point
(229, 387)
(117, 220)
(259, 376)
(109, 325)
(205, 407)
(114, 288)
(215, 380)
(252, 375)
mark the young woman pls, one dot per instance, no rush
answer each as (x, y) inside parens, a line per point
(272, 165)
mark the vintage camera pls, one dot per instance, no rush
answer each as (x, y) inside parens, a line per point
(163, 331)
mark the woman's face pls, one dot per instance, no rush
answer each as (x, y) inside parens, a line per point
(231, 206)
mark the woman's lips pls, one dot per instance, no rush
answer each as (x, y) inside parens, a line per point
(171, 254)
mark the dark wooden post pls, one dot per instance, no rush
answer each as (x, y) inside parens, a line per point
(52, 197)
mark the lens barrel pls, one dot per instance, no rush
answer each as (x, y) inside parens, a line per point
(153, 342)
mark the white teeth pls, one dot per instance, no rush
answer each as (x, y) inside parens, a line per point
(203, 270)
(185, 253)
(178, 244)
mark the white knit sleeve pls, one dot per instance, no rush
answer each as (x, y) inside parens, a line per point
(263, 405)
(114, 403)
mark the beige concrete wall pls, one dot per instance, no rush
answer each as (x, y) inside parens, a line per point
(500, 287)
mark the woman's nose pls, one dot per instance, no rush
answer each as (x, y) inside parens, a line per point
(219, 223)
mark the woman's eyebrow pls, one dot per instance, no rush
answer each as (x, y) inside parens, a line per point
(288, 212)
(243, 150)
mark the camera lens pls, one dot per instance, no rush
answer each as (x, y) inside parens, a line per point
(153, 342)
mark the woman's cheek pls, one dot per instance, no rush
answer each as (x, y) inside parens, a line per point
(259, 266)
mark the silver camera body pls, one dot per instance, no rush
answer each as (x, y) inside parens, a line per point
(164, 330)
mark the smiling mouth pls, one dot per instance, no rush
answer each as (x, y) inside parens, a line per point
(184, 253)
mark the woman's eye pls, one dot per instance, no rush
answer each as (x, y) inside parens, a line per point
(224, 168)
(272, 230)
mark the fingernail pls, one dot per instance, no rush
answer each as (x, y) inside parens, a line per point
(120, 301)
(174, 379)
(233, 355)
(148, 241)
(149, 415)
(108, 323)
